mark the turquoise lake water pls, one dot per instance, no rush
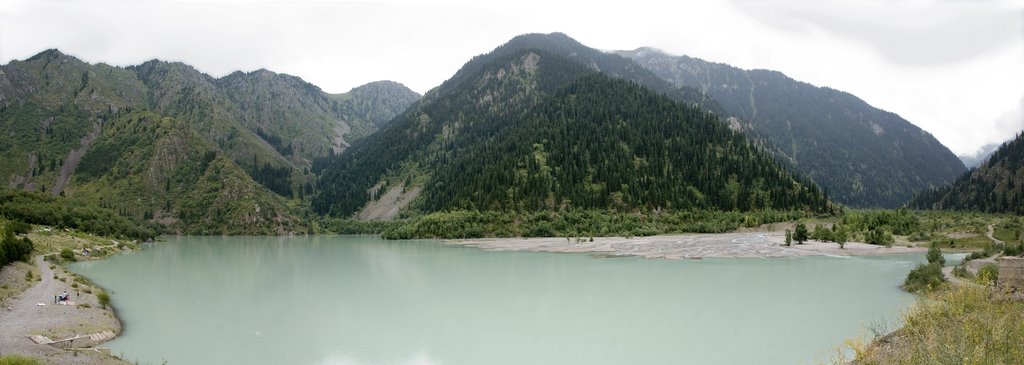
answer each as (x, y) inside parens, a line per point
(360, 300)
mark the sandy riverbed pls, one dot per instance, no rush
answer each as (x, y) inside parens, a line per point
(686, 246)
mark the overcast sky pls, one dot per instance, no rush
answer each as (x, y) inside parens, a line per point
(954, 68)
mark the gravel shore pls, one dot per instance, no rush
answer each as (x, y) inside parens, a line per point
(33, 312)
(686, 246)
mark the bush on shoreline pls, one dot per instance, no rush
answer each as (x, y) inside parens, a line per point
(577, 223)
(67, 255)
(42, 209)
(924, 278)
(103, 298)
(927, 277)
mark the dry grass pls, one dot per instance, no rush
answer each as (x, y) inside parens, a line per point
(962, 325)
(54, 241)
(13, 280)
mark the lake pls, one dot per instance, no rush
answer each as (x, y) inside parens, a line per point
(362, 300)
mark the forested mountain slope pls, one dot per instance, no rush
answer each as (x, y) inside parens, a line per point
(526, 128)
(863, 156)
(651, 153)
(996, 186)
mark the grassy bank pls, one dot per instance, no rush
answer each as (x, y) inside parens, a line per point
(966, 322)
(963, 324)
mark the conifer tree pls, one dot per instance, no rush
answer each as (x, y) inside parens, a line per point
(801, 234)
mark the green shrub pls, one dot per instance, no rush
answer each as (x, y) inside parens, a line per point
(935, 255)
(542, 229)
(18, 360)
(1014, 250)
(974, 256)
(103, 298)
(918, 237)
(879, 237)
(821, 233)
(13, 248)
(28, 275)
(20, 227)
(800, 234)
(988, 274)
(67, 255)
(924, 278)
(960, 271)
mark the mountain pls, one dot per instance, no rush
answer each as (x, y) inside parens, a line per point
(973, 160)
(534, 125)
(996, 186)
(610, 64)
(863, 156)
(257, 133)
(158, 168)
(376, 102)
(288, 117)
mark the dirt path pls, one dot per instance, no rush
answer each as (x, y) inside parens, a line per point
(24, 313)
(953, 279)
(991, 230)
(24, 316)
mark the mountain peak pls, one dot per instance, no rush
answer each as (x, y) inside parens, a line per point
(555, 36)
(50, 54)
(550, 41)
(262, 72)
(645, 51)
(158, 63)
(381, 84)
(387, 98)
